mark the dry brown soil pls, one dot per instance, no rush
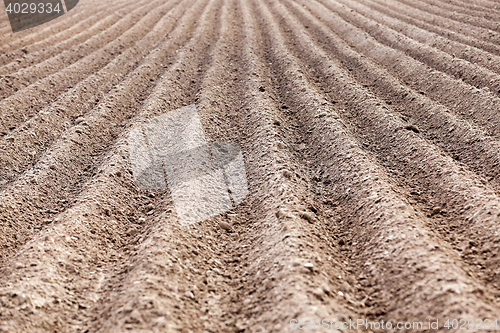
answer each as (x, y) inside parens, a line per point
(370, 131)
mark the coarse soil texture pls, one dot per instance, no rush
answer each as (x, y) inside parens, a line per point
(370, 132)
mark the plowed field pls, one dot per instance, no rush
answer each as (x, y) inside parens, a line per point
(370, 131)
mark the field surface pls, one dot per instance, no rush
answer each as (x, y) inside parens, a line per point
(370, 131)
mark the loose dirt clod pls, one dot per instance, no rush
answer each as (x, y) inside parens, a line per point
(308, 216)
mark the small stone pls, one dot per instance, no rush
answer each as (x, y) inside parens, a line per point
(341, 293)
(142, 220)
(436, 210)
(309, 266)
(226, 226)
(132, 232)
(21, 300)
(326, 289)
(308, 216)
(318, 292)
(189, 294)
(247, 301)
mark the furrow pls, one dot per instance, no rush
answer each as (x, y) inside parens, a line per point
(370, 136)
(27, 37)
(126, 240)
(275, 285)
(28, 141)
(416, 163)
(468, 9)
(217, 281)
(465, 36)
(479, 69)
(17, 55)
(455, 28)
(470, 103)
(88, 58)
(484, 4)
(163, 264)
(454, 15)
(459, 138)
(81, 32)
(61, 171)
(398, 254)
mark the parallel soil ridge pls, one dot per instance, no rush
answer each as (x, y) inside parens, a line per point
(370, 132)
